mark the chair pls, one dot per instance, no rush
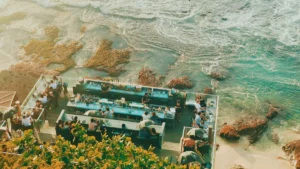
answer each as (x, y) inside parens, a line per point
(127, 133)
(116, 132)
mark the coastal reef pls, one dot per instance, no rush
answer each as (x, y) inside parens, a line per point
(108, 59)
(83, 29)
(273, 112)
(21, 82)
(273, 137)
(208, 91)
(251, 126)
(292, 150)
(148, 78)
(218, 75)
(229, 132)
(180, 83)
(42, 53)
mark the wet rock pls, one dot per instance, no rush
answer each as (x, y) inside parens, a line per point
(251, 126)
(108, 59)
(292, 150)
(229, 132)
(237, 167)
(42, 53)
(208, 90)
(273, 137)
(148, 78)
(218, 75)
(180, 83)
(273, 112)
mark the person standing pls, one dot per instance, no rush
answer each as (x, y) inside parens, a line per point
(178, 110)
(145, 99)
(198, 119)
(197, 106)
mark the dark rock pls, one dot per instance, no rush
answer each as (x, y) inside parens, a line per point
(273, 112)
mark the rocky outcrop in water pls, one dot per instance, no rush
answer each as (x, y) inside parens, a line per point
(251, 126)
(229, 132)
(218, 75)
(273, 137)
(148, 78)
(108, 59)
(273, 112)
(208, 90)
(292, 150)
(180, 83)
(41, 53)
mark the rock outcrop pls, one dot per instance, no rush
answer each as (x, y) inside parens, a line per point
(208, 90)
(180, 83)
(292, 150)
(108, 59)
(42, 53)
(218, 75)
(229, 132)
(273, 112)
(148, 78)
(251, 126)
(273, 137)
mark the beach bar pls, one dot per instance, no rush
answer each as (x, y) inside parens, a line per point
(86, 99)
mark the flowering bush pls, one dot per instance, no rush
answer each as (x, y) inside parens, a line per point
(111, 153)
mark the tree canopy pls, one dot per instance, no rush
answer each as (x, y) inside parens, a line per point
(110, 153)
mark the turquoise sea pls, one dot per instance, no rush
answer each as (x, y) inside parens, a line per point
(255, 43)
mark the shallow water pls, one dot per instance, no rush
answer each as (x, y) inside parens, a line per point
(256, 42)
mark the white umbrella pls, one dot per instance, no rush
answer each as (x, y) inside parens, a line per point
(145, 123)
(189, 156)
(196, 132)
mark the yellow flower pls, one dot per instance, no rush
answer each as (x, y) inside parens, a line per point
(81, 159)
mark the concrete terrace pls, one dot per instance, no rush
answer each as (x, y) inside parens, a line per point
(171, 147)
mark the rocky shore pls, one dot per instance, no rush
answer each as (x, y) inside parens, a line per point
(108, 59)
(148, 77)
(180, 83)
(292, 150)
